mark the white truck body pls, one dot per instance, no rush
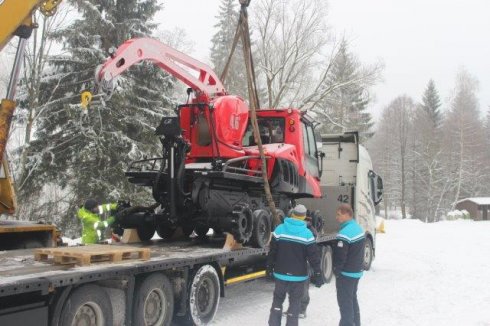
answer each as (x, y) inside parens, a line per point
(347, 177)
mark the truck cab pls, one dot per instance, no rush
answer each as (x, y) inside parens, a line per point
(348, 177)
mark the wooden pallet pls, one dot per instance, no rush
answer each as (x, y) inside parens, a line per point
(86, 255)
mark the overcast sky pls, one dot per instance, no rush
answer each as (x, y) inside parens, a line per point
(416, 39)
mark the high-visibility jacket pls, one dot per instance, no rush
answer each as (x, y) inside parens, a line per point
(91, 222)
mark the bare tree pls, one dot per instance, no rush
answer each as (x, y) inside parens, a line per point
(35, 65)
(391, 142)
(464, 140)
(297, 55)
(291, 36)
(428, 174)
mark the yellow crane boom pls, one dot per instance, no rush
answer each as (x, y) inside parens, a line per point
(15, 20)
(15, 14)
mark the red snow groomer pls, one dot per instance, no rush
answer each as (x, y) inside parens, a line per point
(209, 173)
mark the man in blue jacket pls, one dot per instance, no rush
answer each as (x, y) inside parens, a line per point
(292, 246)
(348, 257)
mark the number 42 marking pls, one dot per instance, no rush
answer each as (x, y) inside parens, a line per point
(343, 198)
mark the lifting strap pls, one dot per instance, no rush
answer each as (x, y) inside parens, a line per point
(243, 32)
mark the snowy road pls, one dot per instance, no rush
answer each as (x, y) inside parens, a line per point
(424, 274)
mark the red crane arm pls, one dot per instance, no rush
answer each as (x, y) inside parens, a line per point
(165, 57)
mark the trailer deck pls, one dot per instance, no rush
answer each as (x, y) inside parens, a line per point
(20, 273)
(38, 289)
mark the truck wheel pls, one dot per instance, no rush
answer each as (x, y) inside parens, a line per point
(145, 232)
(327, 263)
(204, 295)
(261, 232)
(154, 301)
(87, 305)
(368, 254)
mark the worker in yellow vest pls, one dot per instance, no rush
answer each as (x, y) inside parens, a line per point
(94, 226)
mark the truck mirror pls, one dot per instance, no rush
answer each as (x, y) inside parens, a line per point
(379, 190)
(376, 187)
(319, 156)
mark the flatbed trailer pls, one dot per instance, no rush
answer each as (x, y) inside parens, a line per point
(181, 283)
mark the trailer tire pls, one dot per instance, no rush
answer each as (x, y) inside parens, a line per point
(204, 293)
(145, 232)
(368, 254)
(327, 263)
(87, 305)
(261, 232)
(154, 301)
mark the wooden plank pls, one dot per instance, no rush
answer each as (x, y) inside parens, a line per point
(86, 255)
(18, 228)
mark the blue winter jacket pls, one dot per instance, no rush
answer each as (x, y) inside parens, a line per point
(292, 245)
(349, 250)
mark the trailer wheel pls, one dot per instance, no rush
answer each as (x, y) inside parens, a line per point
(154, 301)
(204, 292)
(261, 232)
(145, 232)
(368, 254)
(327, 263)
(87, 305)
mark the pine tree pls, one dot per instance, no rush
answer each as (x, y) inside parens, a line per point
(222, 41)
(347, 106)
(431, 103)
(85, 154)
(427, 180)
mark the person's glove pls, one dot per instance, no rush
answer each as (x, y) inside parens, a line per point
(317, 280)
(269, 272)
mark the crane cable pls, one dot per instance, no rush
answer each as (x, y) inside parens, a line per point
(243, 31)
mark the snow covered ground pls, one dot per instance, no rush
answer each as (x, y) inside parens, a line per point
(423, 274)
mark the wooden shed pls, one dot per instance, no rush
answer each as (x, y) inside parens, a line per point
(478, 207)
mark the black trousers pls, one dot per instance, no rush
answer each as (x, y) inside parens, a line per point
(295, 292)
(305, 300)
(347, 300)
